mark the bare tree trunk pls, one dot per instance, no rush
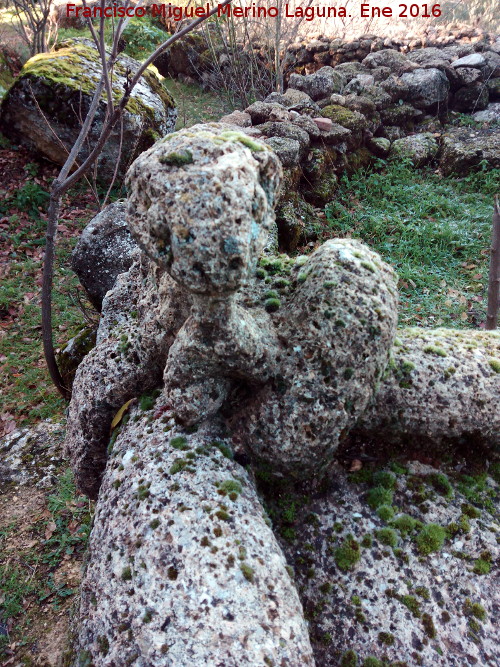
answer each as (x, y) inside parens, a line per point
(494, 276)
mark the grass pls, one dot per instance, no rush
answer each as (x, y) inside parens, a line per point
(27, 392)
(435, 231)
(33, 560)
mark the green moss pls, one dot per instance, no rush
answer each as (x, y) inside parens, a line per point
(154, 524)
(434, 349)
(367, 541)
(495, 365)
(431, 538)
(412, 604)
(348, 554)
(470, 511)
(179, 442)
(126, 574)
(147, 400)
(378, 496)
(143, 491)
(247, 571)
(177, 159)
(441, 483)
(230, 487)
(349, 119)
(429, 628)
(223, 515)
(372, 662)
(474, 609)
(178, 465)
(103, 643)
(385, 512)
(387, 536)
(482, 566)
(384, 478)
(369, 266)
(423, 592)
(349, 659)
(386, 638)
(272, 305)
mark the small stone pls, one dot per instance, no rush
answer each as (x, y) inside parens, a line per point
(323, 123)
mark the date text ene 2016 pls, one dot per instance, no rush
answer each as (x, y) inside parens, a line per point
(424, 11)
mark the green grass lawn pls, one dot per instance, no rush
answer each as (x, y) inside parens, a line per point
(435, 231)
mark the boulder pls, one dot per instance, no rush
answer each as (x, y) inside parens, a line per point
(239, 118)
(293, 99)
(184, 568)
(426, 88)
(428, 55)
(494, 88)
(473, 97)
(288, 150)
(402, 115)
(442, 387)
(261, 112)
(287, 131)
(473, 60)
(468, 75)
(397, 584)
(104, 250)
(379, 146)
(321, 84)
(490, 115)
(492, 63)
(464, 150)
(60, 85)
(379, 97)
(419, 148)
(396, 61)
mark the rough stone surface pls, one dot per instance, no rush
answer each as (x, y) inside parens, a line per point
(473, 97)
(394, 603)
(441, 387)
(321, 84)
(61, 83)
(419, 148)
(489, 115)
(474, 60)
(288, 150)
(296, 421)
(426, 87)
(394, 60)
(104, 250)
(31, 456)
(464, 149)
(184, 569)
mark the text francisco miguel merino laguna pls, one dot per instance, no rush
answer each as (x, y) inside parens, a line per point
(180, 13)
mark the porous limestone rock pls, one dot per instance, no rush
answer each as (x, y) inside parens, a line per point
(183, 567)
(426, 88)
(321, 84)
(396, 61)
(464, 149)
(44, 107)
(139, 320)
(470, 98)
(104, 250)
(335, 329)
(419, 148)
(441, 388)
(376, 589)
